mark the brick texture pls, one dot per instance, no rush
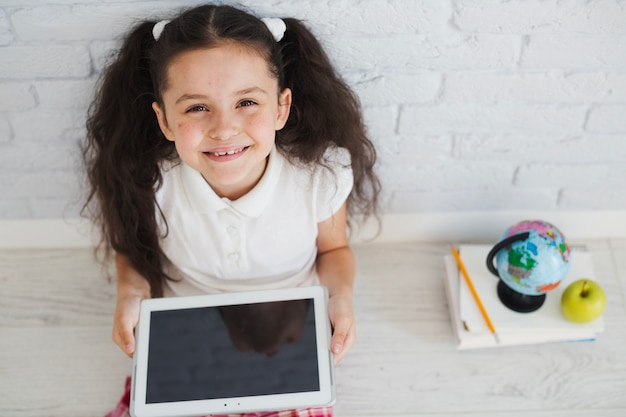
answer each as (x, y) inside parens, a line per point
(472, 104)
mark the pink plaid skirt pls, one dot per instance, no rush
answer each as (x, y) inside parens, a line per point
(122, 409)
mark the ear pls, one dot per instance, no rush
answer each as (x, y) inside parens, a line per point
(284, 107)
(160, 115)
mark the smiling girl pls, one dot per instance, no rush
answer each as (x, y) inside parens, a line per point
(224, 153)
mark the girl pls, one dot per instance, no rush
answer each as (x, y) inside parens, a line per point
(224, 154)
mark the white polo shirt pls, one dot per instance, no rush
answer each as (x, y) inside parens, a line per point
(265, 239)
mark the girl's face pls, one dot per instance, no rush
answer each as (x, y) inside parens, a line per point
(222, 109)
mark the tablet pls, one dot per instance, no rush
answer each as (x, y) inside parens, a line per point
(233, 353)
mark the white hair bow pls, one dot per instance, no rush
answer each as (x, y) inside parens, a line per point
(157, 29)
(276, 26)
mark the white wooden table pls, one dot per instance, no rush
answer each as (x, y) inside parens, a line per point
(57, 358)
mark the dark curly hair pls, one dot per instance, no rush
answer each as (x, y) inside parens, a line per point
(125, 148)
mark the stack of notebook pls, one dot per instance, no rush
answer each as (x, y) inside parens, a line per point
(541, 326)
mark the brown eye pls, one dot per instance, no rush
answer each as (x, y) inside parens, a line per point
(247, 103)
(196, 109)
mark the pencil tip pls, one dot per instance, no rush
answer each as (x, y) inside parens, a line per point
(497, 337)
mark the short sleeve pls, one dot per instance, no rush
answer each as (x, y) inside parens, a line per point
(334, 182)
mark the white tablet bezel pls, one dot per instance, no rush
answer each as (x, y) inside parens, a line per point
(324, 397)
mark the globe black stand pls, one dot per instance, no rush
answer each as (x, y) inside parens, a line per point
(514, 300)
(517, 301)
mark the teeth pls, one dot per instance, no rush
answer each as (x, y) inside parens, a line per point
(228, 153)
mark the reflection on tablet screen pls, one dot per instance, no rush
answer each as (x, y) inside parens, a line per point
(232, 351)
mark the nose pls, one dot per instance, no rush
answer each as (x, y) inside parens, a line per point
(223, 126)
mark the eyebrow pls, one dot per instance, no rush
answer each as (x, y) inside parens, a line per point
(251, 90)
(245, 91)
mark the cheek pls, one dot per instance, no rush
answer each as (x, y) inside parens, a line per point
(262, 125)
(187, 134)
(186, 128)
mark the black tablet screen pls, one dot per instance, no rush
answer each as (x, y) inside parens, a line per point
(232, 351)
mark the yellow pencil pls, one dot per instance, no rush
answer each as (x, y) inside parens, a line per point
(468, 280)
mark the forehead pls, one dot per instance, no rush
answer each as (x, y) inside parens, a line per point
(219, 66)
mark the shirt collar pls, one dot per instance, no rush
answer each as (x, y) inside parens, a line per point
(203, 199)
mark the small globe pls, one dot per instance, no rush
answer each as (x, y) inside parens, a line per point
(537, 264)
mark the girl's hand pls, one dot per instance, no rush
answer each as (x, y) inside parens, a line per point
(131, 289)
(124, 322)
(344, 327)
(335, 267)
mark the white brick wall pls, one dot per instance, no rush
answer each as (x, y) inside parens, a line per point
(473, 104)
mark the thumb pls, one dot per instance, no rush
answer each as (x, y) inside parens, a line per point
(124, 337)
(128, 341)
(336, 343)
(340, 334)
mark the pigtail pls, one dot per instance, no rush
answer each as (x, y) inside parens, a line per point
(325, 112)
(122, 153)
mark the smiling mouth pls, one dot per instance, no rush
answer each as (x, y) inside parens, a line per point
(231, 152)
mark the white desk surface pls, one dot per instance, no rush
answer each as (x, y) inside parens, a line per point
(57, 357)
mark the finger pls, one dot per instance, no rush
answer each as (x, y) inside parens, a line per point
(348, 343)
(337, 342)
(342, 340)
(125, 339)
(128, 341)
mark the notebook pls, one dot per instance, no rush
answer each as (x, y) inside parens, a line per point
(542, 326)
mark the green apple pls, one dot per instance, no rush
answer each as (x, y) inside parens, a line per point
(583, 301)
